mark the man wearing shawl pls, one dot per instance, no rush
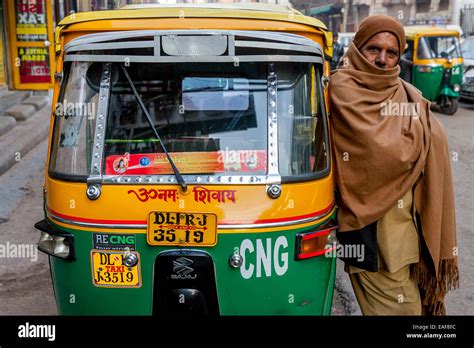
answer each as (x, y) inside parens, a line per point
(393, 177)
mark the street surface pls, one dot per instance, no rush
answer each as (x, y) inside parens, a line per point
(25, 283)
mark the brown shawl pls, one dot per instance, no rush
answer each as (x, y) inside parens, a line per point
(379, 158)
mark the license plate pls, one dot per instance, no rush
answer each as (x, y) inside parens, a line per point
(179, 228)
(108, 270)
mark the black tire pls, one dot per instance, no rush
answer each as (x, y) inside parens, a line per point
(449, 106)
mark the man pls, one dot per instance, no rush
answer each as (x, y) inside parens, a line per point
(393, 177)
(337, 49)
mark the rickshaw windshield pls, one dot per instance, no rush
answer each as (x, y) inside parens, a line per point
(432, 47)
(212, 119)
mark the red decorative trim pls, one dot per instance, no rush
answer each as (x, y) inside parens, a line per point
(144, 222)
(96, 221)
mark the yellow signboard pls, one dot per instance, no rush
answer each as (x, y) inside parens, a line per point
(30, 29)
(2, 63)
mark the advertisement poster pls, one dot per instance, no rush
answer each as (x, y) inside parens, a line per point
(31, 20)
(34, 65)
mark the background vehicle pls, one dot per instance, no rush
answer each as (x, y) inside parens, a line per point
(345, 39)
(237, 215)
(467, 87)
(432, 62)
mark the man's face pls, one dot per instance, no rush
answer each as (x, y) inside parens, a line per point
(382, 50)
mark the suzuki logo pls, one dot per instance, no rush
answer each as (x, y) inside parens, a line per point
(181, 266)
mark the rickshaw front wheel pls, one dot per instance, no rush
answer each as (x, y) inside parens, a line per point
(448, 105)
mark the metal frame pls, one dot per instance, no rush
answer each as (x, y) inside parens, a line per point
(75, 44)
(274, 41)
(192, 59)
(95, 177)
(273, 174)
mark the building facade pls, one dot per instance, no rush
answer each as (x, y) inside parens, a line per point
(346, 15)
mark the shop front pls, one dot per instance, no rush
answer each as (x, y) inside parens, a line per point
(29, 44)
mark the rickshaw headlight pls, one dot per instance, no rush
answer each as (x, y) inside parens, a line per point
(61, 246)
(315, 243)
(53, 245)
(46, 242)
(55, 242)
(456, 88)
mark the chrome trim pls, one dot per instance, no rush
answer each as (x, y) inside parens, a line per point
(101, 121)
(231, 45)
(269, 40)
(266, 35)
(219, 227)
(276, 46)
(190, 179)
(157, 46)
(272, 124)
(111, 45)
(192, 59)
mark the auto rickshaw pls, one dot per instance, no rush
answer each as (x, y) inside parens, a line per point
(432, 62)
(189, 171)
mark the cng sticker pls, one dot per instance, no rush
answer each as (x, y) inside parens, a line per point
(264, 258)
(108, 241)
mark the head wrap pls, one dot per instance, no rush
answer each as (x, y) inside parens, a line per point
(374, 25)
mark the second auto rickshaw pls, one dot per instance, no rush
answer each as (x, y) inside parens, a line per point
(432, 62)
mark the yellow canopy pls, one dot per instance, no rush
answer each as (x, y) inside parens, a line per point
(257, 11)
(411, 31)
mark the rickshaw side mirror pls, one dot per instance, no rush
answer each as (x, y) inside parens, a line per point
(94, 73)
(93, 76)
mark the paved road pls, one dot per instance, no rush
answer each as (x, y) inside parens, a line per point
(25, 284)
(460, 131)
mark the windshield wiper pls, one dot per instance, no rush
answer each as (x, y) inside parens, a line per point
(177, 174)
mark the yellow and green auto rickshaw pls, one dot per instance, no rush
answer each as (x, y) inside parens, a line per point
(432, 62)
(189, 170)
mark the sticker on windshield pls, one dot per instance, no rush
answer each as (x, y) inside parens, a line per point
(188, 162)
(120, 164)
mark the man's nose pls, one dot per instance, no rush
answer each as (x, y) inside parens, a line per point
(382, 58)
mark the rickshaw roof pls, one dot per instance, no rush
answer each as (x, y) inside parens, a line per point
(262, 11)
(411, 31)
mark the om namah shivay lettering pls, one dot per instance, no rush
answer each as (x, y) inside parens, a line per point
(201, 195)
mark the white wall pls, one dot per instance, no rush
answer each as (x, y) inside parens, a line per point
(457, 6)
